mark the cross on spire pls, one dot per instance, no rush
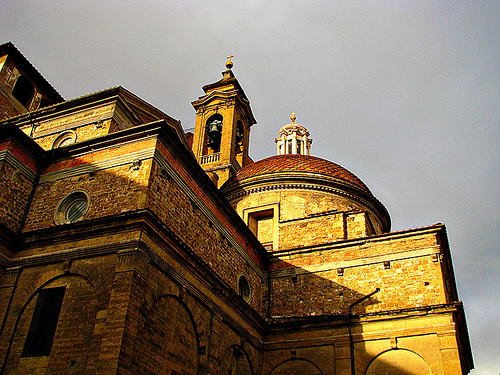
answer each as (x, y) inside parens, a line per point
(229, 63)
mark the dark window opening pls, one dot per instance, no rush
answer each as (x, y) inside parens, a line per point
(23, 91)
(44, 322)
(299, 147)
(44, 103)
(214, 132)
(243, 287)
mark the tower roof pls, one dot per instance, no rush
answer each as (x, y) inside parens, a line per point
(23, 64)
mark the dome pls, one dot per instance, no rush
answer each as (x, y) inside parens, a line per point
(297, 165)
(304, 186)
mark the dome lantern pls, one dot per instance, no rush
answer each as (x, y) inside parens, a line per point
(293, 139)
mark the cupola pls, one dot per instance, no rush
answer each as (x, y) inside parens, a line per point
(293, 139)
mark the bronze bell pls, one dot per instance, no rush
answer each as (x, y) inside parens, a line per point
(214, 128)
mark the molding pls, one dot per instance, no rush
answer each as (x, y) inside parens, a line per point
(314, 187)
(71, 125)
(18, 164)
(4, 261)
(407, 254)
(73, 253)
(98, 165)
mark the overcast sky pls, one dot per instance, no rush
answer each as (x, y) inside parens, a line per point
(405, 94)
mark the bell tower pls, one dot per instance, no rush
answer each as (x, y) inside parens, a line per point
(222, 129)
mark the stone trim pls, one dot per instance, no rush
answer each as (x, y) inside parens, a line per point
(98, 165)
(304, 186)
(9, 158)
(72, 253)
(331, 266)
(73, 125)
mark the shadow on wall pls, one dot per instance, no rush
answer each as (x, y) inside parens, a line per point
(308, 312)
(117, 309)
(172, 331)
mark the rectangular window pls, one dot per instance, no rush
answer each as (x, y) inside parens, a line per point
(263, 222)
(44, 322)
(290, 147)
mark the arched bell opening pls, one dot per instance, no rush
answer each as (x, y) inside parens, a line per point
(23, 91)
(213, 130)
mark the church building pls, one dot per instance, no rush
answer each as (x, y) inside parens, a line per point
(129, 246)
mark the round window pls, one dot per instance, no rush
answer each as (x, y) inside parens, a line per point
(64, 139)
(72, 208)
(244, 287)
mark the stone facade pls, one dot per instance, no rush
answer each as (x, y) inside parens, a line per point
(283, 266)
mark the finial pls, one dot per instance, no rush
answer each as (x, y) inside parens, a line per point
(292, 117)
(229, 63)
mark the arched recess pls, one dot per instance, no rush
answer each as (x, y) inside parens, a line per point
(23, 91)
(168, 342)
(296, 366)
(236, 362)
(75, 320)
(213, 131)
(398, 362)
(240, 136)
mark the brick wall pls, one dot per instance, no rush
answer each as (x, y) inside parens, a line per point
(408, 272)
(112, 190)
(77, 339)
(17, 174)
(189, 222)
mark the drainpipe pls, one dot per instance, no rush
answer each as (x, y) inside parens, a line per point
(351, 340)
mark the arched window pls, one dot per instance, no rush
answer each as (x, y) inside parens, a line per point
(214, 132)
(43, 325)
(239, 136)
(23, 91)
(244, 287)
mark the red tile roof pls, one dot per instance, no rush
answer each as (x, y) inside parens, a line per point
(298, 164)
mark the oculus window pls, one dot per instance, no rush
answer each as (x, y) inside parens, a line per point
(72, 208)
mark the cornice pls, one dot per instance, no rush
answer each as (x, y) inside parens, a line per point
(313, 184)
(10, 159)
(358, 262)
(339, 245)
(225, 95)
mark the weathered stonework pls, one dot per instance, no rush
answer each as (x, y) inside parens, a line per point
(289, 267)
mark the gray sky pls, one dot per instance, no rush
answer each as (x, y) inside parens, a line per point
(405, 94)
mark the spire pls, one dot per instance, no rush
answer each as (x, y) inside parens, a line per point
(293, 139)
